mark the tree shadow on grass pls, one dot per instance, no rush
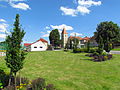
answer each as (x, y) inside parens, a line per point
(4, 78)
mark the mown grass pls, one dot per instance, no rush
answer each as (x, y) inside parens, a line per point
(116, 49)
(69, 71)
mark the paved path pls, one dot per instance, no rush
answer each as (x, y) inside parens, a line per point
(115, 52)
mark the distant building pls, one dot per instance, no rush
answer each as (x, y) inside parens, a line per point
(39, 45)
(65, 39)
(82, 41)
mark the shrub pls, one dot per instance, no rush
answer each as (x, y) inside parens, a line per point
(79, 50)
(24, 81)
(109, 56)
(104, 53)
(92, 50)
(50, 87)
(38, 84)
(4, 78)
(95, 54)
(9, 88)
(97, 57)
(102, 57)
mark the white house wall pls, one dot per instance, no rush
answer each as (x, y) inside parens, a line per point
(41, 46)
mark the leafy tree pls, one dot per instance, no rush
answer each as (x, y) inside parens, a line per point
(100, 45)
(54, 38)
(109, 32)
(75, 43)
(71, 46)
(14, 55)
(88, 45)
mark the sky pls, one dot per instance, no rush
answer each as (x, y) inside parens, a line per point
(39, 17)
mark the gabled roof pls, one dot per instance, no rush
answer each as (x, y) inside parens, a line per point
(41, 39)
(86, 38)
(27, 44)
(64, 31)
(79, 38)
(72, 37)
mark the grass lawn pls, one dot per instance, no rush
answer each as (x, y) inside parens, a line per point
(116, 49)
(69, 71)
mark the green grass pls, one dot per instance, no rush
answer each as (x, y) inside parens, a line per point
(116, 49)
(69, 71)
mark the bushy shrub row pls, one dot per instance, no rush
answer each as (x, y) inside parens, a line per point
(79, 50)
(37, 84)
(97, 57)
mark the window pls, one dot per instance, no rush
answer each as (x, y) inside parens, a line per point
(41, 47)
(35, 46)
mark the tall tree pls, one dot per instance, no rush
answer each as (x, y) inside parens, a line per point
(54, 38)
(109, 32)
(14, 54)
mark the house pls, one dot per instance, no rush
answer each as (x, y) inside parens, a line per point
(39, 45)
(65, 39)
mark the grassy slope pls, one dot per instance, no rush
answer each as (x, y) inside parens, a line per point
(69, 71)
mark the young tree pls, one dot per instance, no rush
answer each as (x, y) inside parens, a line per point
(88, 46)
(54, 38)
(14, 54)
(109, 32)
(75, 43)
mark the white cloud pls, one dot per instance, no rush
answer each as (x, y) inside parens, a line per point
(75, 34)
(2, 20)
(19, 5)
(48, 31)
(22, 6)
(60, 27)
(42, 32)
(83, 10)
(3, 27)
(68, 11)
(83, 7)
(45, 35)
(89, 3)
(47, 27)
(2, 35)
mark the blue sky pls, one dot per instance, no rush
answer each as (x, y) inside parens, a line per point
(39, 17)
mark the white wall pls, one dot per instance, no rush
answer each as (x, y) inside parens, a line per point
(41, 46)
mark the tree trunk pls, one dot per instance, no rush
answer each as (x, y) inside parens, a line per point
(20, 77)
(10, 78)
(15, 81)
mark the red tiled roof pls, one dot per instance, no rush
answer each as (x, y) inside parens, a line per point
(64, 31)
(41, 39)
(79, 38)
(86, 38)
(27, 44)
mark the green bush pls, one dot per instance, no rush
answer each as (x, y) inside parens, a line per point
(50, 87)
(4, 78)
(92, 50)
(104, 53)
(38, 84)
(79, 50)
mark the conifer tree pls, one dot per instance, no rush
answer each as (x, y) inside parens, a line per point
(14, 54)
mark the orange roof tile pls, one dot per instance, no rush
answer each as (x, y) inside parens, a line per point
(41, 39)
